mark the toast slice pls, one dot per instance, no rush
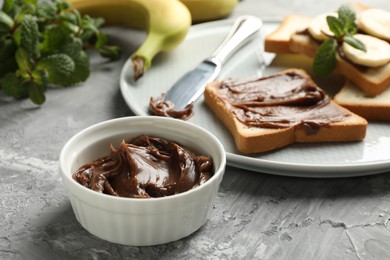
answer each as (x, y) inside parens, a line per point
(278, 40)
(371, 108)
(290, 37)
(340, 125)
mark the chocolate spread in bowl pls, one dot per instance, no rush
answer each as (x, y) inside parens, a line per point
(146, 167)
(280, 101)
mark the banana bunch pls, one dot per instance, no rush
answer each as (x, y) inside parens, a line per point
(166, 21)
(375, 23)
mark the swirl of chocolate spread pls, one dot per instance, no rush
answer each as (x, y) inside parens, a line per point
(146, 167)
(280, 101)
(160, 107)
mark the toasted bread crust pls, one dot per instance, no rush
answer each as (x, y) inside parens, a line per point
(372, 109)
(256, 139)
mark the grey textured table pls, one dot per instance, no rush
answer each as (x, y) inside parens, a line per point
(255, 216)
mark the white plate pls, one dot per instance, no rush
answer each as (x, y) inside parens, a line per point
(301, 160)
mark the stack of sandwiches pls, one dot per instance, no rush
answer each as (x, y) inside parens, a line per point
(271, 112)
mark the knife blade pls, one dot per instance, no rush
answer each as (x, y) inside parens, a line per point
(191, 85)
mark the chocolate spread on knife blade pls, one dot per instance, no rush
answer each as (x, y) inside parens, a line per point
(146, 167)
(280, 101)
(161, 107)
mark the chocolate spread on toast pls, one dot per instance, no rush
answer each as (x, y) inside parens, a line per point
(280, 101)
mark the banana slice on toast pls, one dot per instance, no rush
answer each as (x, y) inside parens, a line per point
(377, 51)
(318, 27)
(375, 22)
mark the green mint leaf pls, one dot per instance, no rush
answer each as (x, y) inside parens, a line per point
(62, 5)
(72, 47)
(111, 52)
(335, 25)
(91, 35)
(6, 23)
(8, 5)
(29, 36)
(71, 22)
(98, 21)
(24, 62)
(58, 66)
(25, 10)
(71, 27)
(357, 44)
(47, 11)
(72, 17)
(347, 16)
(36, 93)
(90, 31)
(94, 24)
(89, 28)
(102, 40)
(13, 86)
(54, 38)
(325, 59)
(343, 27)
(80, 72)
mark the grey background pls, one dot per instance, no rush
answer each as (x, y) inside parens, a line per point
(255, 216)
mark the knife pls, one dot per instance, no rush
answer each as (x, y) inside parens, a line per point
(191, 85)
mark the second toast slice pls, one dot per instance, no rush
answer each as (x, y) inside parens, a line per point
(371, 108)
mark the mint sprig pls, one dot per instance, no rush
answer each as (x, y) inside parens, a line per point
(43, 44)
(343, 28)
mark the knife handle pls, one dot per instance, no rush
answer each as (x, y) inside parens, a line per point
(243, 28)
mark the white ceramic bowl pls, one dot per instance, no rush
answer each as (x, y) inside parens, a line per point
(140, 222)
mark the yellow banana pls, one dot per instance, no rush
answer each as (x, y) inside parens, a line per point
(207, 10)
(166, 22)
